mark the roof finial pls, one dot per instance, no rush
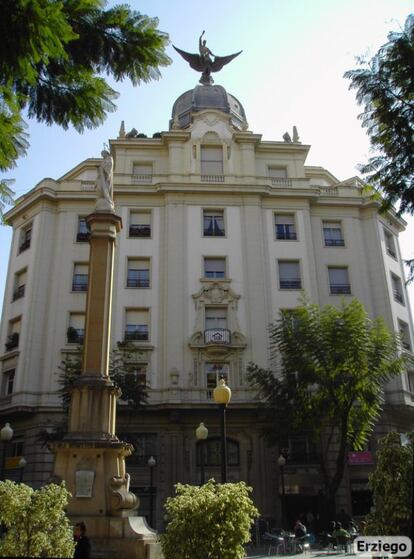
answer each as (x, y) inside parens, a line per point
(122, 130)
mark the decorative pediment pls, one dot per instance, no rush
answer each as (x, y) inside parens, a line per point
(216, 293)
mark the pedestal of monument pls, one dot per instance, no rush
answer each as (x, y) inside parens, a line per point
(90, 458)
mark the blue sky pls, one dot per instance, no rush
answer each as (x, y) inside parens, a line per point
(295, 53)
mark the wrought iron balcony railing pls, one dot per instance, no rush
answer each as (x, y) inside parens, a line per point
(221, 336)
(290, 284)
(338, 289)
(334, 242)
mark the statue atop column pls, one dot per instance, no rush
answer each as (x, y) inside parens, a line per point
(204, 62)
(105, 184)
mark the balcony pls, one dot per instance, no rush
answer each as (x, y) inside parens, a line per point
(340, 289)
(75, 335)
(19, 292)
(220, 336)
(141, 179)
(290, 284)
(334, 242)
(140, 231)
(281, 181)
(80, 282)
(286, 235)
(24, 246)
(83, 237)
(12, 341)
(138, 282)
(212, 178)
(398, 296)
(136, 335)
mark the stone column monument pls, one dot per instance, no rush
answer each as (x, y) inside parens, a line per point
(90, 458)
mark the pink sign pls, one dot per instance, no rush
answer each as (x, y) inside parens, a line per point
(358, 458)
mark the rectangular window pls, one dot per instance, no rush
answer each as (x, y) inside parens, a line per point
(285, 227)
(213, 223)
(390, 244)
(332, 234)
(136, 327)
(211, 160)
(140, 224)
(25, 238)
(339, 280)
(145, 446)
(84, 232)
(8, 382)
(19, 284)
(289, 275)
(397, 289)
(80, 277)
(215, 317)
(404, 332)
(410, 375)
(214, 268)
(214, 372)
(142, 173)
(76, 330)
(279, 176)
(14, 335)
(138, 272)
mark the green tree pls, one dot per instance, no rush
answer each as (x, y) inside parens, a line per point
(330, 365)
(35, 521)
(385, 88)
(392, 486)
(53, 56)
(208, 522)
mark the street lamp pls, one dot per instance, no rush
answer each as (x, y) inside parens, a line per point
(282, 461)
(222, 395)
(151, 463)
(22, 465)
(6, 434)
(202, 434)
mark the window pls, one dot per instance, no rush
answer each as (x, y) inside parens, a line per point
(25, 238)
(138, 272)
(211, 449)
(278, 175)
(299, 450)
(14, 335)
(404, 332)
(211, 160)
(140, 224)
(214, 372)
(289, 275)
(80, 277)
(410, 375)
(76, 330)
(84, 231)
(213, 223)
(215, 317)
(397, 289)
(142, 173)
(19, 284)
(332, 234)
(214, 268)
(390, 244)
(8, 382)
(339, 281)
(136, 328)
(145, 446)
(285, 227)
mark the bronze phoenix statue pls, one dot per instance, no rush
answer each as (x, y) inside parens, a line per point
(204, 62)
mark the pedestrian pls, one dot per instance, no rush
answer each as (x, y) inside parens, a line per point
(83, 545)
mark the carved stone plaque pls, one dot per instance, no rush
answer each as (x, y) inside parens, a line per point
(84, 483)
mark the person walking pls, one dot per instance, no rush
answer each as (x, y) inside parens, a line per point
(83, 545)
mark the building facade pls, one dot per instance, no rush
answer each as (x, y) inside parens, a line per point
(221, 231)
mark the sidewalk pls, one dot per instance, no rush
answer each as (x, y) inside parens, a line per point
(313, 554)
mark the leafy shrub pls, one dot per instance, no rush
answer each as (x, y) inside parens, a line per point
(208, 522)
(35, 521)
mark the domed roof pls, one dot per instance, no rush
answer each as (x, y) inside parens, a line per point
(204, 97)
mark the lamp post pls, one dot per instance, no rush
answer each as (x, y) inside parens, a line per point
(22, 465)
(282, 461)
(151, 463)
(202, 434)
(222, 395)
(6, 434)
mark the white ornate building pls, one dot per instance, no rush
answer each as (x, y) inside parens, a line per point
(221, 230)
